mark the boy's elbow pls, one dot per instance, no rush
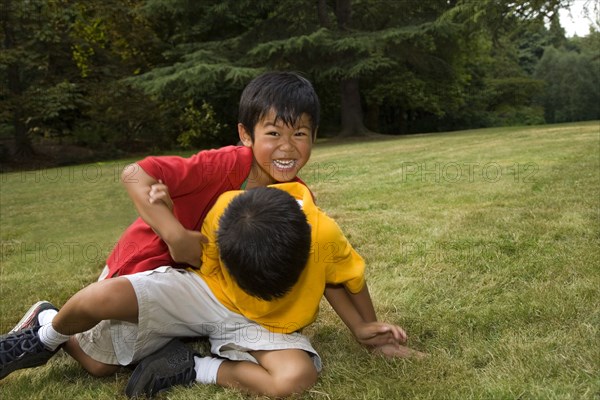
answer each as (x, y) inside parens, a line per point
(128, 176)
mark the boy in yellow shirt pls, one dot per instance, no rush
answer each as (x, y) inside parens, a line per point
(269, 258)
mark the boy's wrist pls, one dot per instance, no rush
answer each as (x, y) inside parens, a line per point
(171, 232)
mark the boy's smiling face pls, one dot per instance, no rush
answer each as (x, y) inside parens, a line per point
(280, 150)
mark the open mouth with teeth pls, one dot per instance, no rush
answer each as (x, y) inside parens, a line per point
(284, 164)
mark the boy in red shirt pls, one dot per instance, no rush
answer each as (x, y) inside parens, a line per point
(278, 122)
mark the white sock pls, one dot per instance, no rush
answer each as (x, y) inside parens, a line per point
(206, 369)
(50, 338)
(46, 316)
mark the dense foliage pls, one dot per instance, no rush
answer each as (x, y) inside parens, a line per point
(126, 75)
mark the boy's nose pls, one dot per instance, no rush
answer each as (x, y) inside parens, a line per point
(286, 144)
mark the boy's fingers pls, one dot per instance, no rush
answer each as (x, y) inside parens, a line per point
(396, 334)
(154, 197)
(400, 335)
(404, 337)
(383, 327)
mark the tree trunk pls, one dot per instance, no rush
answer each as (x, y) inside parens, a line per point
(372, 118)
(351, 109)
(23, 146)
(343, 12)
(322, 14)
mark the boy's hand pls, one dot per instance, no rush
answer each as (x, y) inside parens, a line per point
(386, 340)
(187, 247)
(379, 333)
(159, 192)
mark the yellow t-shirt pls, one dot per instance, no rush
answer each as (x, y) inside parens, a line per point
(332, 260)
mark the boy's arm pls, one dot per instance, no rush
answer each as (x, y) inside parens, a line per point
(363, 304)
(184, 244)
(338, 298)
(381, 338)
(358, 314)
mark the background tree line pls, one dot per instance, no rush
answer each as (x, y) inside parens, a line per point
(121, 76)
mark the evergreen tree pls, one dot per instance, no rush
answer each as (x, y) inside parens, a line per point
(61, 60)
(33, 52)
(393, 58)
(572, 81)
(337, 44)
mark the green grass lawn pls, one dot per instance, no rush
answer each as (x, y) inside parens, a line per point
(484, 245)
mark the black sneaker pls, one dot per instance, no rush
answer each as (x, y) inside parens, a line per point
(30, 319)
(170, 366)
(22, 349)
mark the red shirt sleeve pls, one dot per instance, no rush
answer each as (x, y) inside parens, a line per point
(194, 185)
(207, 169)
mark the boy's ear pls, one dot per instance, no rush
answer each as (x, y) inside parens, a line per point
(245, 137)
(314, 136)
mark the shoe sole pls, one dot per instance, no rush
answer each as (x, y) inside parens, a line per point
(26, 320)
(134, 386)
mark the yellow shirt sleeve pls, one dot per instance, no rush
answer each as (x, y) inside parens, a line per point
(343, 265)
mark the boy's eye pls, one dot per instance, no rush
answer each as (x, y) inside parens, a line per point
(273, 133)
(300, 133)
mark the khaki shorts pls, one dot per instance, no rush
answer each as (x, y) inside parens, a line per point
(178, 303)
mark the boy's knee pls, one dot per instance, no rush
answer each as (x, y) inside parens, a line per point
(295, 381)
(93, 367)
(99, 292)
(100, 370)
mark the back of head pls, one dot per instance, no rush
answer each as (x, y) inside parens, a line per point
(288, 94)
(264, 241)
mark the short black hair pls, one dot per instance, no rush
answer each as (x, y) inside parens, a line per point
(264, 241)
(288, 94)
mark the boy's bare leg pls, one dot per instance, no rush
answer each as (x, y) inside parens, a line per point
(105, 300)
(95, 368)
(108, 299)
(279, 373)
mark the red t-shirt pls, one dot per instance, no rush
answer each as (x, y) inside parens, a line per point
(194, 185)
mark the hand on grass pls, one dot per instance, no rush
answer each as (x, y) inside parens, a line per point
(386, 340)
(379, 333)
